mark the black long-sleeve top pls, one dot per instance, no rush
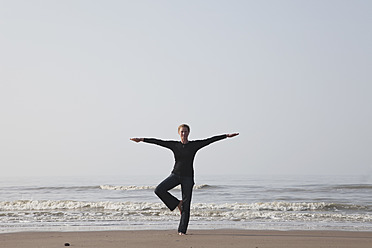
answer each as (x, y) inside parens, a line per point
(184, 154)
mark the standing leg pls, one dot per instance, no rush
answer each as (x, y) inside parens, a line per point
(187, 184)
(162, 191)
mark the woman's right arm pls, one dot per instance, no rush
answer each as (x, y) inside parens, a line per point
(163, 143)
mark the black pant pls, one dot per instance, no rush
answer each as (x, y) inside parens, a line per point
(172, 202)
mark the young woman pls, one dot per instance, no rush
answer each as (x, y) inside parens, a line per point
(183, 171)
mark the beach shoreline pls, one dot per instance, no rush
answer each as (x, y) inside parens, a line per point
(195, 238)
(129, 203)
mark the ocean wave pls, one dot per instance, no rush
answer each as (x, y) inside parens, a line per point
(134, 187)
(78, 188)
(284, 206)
(131, 187)
(352, 186)
(75, 211)
(108, 205)
(45, 205)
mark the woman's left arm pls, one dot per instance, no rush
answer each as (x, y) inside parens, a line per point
(205, 142)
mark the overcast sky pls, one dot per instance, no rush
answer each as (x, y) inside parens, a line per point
(79, 78)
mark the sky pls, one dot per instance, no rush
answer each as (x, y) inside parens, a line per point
(78, 78)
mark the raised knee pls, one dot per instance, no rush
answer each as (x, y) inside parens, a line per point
(157, 191)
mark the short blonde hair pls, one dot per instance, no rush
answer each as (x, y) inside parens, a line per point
(184, 125)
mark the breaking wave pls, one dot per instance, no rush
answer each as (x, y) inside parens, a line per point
(79, 212)
(133, 187)
(108, 205)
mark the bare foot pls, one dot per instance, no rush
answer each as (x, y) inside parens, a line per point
(181, 234)
(180, 206)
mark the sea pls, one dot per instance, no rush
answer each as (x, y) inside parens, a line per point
(94, 203)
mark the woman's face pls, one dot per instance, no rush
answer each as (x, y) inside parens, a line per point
(184, 133)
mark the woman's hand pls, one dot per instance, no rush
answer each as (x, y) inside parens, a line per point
(136, 139)
(231, 135)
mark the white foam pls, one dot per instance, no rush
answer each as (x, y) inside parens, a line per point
(79, 213)
(134, 187)
(260, 206)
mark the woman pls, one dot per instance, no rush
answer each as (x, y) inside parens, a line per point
(183, 171)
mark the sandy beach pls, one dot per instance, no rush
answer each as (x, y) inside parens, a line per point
(195, 238)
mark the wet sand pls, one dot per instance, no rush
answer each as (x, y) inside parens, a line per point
(194, 239)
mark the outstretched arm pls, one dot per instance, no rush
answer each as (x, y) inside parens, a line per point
(231, 135)
(163, 143)
(205, 142)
